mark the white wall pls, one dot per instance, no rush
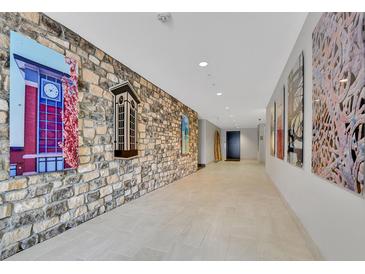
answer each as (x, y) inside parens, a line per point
(248, 143)
(334, 217)
(262, 142)
(201, 144)
(210, 132)
(206, 141)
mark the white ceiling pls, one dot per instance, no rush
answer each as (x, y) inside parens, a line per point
(246, 53)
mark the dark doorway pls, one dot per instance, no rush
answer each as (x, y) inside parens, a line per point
(233, 146)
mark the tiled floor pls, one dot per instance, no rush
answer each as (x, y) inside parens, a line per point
(226, 211)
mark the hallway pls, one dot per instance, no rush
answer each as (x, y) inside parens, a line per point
(226, 211)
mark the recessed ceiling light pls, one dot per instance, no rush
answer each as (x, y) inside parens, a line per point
(344, 80)
(231, 115)
(227, 108)
(219, 93)
(203, 64)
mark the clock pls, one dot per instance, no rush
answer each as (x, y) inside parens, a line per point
(51, 90)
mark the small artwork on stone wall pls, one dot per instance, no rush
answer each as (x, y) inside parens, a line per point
(296, 112)
(272, 129)
(184, 135)
(280, 120)
(43, 108)
(338, 100)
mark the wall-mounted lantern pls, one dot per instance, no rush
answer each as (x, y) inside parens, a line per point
(125, 120)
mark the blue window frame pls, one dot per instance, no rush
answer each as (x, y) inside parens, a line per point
(49, 164)
(12, 170)
(50, 124)
(50, 128)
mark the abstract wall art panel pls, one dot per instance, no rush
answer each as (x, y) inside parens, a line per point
(272, 129)
(43, 109)
(296, 112)
(280, 120)
(184, 135)
(338, 100)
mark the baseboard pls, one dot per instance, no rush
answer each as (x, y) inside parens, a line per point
(233, 160)
(311, 244)
(200, 166)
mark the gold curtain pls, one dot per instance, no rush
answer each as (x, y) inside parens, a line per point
(217, 147)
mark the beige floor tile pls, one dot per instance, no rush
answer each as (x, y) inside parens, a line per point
(226, 211)
(148, 254)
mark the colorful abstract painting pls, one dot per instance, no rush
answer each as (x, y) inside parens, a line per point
(338, 102)
(296, 112)
(184, 135)
(272, 129)
(43, 109)
(280, 120)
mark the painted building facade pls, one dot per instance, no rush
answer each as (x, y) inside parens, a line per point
(42, 121)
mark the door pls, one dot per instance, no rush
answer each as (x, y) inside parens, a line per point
(233, 145)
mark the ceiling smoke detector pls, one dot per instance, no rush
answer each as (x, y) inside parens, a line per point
(164, 17)
(204, 64)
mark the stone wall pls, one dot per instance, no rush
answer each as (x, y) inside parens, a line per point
(36, 208)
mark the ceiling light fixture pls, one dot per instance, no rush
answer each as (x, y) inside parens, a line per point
(219, 93)
(227, 108)
(203, 64)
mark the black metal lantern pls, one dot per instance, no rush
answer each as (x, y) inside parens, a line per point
(125, 120)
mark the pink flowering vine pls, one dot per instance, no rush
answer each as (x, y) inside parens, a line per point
(70, 116)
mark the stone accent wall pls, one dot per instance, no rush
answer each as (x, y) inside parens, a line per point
(36, 208)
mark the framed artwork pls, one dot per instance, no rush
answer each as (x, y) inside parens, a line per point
(43, 108)
(280, 120)
(184, 135)
(338, 100)
(296, 113)
(272, 129)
